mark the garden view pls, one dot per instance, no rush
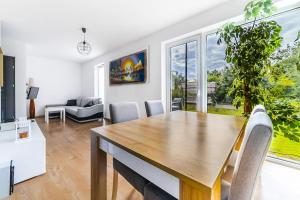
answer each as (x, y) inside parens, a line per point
(274, 80)
(280, 85)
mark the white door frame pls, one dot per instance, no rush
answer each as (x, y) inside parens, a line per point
(168, 70)
(97, 81)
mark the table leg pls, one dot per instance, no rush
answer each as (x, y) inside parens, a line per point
(189, 191)
(98, 170)
(47, 117)
(240, 139)
(61, 118)
(64, 115)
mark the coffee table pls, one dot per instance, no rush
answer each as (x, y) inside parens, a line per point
(55, 109)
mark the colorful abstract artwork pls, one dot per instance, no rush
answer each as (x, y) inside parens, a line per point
(129, 69)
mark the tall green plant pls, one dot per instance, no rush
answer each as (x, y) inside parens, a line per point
(177, 90)
(283, 103)
(249, 48)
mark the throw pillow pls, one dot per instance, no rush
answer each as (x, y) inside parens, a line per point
(71, 102)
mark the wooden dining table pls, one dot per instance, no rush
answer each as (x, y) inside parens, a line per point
(183, 153)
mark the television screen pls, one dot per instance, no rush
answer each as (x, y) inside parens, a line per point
(33, 92)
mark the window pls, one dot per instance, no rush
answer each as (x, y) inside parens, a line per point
(219, 80)
(183, 74)
(99, 82)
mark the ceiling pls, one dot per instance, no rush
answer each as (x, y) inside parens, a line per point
(52, 28)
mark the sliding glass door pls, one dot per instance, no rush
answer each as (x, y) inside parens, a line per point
(184, 59)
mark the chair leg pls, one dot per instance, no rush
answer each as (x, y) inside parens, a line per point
(115, 186)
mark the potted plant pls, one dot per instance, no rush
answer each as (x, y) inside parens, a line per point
(262, 72)
(249, 49)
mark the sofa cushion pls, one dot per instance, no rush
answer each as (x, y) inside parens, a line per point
(89, 104)
(96, 100)
(85, 101)
(78, 101)
(71, 102)
(72, 109)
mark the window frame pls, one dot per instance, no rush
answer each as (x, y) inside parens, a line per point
(97, 81)
(196, 37)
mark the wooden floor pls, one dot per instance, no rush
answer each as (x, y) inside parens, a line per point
(68, 170)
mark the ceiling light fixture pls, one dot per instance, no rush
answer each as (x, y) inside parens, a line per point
(84, 47)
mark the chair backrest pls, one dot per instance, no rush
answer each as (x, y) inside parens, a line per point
(122, 112)
(258, 108)
(154, 107)
(233, 157)
(255, 145)
(177, 102)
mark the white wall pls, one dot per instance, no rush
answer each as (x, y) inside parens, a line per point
(58, 81)
(131, 92)
(153, 88)
(17, 49)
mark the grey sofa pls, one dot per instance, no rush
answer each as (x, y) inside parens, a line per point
(86, 109)
(82, 109)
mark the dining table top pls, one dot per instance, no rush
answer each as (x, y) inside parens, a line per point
(192, 146)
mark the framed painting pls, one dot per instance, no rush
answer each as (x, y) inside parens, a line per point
(129, 69)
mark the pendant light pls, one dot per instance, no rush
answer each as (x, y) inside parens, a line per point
(84, 47)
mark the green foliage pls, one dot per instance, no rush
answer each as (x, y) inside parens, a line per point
(285, 118)
(177, 89)
(223, 79)
(264, 74)
(259, 9)
(284, 147)
(284, 74)
(224, 111)
(248, 51)
(283, 102)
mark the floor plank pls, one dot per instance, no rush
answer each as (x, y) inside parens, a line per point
(68, 170)
(68, 165)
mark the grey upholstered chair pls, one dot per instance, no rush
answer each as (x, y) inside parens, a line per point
(154, 107)
(177, 104)
(122, 112)
(258, 108)
(233, 157)
(257, 139)
(258, 136)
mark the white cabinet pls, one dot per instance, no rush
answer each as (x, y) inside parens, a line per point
(29, 156)
(5, 179)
